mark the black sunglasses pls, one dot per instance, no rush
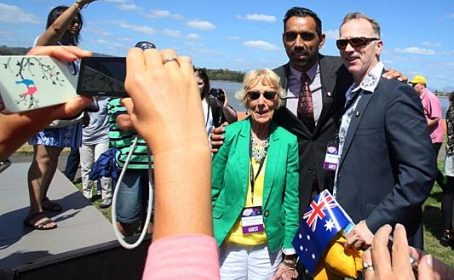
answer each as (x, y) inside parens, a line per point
(354, 42)
(291, 36)
(254, 95)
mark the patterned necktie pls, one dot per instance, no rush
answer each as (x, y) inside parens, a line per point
(305, 106)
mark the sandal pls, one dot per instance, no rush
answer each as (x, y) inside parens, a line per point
(39, 221)
(49, 205)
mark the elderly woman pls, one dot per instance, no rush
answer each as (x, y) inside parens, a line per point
(255, 187)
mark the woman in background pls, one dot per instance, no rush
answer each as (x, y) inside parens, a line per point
(447, 205)
(63, 28)
(216, 111)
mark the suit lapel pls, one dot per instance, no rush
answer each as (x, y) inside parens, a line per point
(356, 119)
(328, 82)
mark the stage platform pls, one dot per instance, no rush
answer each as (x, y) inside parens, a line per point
(83, 235)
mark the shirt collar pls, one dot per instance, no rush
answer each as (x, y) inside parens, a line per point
(370, 81)
(311, 72)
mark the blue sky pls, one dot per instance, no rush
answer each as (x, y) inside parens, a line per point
(241, 35)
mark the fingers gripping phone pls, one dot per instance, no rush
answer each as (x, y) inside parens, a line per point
(105, 76)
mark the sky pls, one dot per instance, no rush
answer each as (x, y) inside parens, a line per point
(242, 35)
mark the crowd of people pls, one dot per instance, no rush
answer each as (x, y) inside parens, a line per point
(264, 169)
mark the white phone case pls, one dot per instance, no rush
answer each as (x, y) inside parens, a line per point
(32, 82)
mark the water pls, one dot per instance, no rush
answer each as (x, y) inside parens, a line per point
(444, 101)
(230, 89)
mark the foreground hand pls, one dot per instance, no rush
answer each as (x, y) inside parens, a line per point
(360, 237)
(427, 262)
(67, 54)
(285, 273)
(217, 137)
(63, 53)
(166, 108)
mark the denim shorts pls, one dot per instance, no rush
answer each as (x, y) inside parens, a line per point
(132, 196)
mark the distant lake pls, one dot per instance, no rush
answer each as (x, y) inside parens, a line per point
(232, 87)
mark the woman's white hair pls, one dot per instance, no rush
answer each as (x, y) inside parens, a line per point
(265, 76)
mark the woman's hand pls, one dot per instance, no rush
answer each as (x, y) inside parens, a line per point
(166, 100)
(285, 272)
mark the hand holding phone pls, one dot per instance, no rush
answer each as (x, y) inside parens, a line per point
(32, 82)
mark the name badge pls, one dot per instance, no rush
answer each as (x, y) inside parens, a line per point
(252, 220)
(331, 157)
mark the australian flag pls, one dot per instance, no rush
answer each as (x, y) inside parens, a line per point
(323, 219)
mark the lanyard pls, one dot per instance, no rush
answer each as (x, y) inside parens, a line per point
(252, 178)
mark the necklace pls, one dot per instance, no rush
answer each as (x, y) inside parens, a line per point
(259, 149)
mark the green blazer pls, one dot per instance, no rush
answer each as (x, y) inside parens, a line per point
(230, 179)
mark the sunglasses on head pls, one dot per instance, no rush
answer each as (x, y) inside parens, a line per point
(254, 95)
(354, 42)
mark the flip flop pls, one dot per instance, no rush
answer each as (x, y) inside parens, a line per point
(49, 205)
(39, 224)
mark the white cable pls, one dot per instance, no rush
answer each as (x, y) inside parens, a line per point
(117, 232)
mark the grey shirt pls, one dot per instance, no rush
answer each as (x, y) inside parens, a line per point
(97, 130)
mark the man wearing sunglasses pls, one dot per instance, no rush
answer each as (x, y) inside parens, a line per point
(387, 165)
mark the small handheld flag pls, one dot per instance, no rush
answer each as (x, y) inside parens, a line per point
(321, 222)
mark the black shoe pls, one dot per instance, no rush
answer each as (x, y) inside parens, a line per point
(447, 238)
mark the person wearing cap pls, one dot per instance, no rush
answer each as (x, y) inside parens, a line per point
(432, 111)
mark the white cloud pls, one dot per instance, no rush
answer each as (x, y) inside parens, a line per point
(235, 38)
(332, 34)
(138, 28)
(98, 31)
(258, 17)
(172, 33)
(14, 14)
(192, 36)
(431, 44)
(101, 41)
(260, 45)
(415, 50)
(163, 14)
(201, 25)
(125, 5)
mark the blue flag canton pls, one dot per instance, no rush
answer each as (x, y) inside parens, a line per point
(321, 222)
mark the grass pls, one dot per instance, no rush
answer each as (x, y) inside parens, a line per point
(97, 202)
(432, 225)
(431, 219)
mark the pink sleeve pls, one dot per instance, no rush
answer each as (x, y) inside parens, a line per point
(436, 107)
(188, 257)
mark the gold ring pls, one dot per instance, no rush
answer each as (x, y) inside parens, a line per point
(169, 59)
(368, 266)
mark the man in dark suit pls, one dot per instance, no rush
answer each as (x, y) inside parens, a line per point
(329, 80)
(387, 165)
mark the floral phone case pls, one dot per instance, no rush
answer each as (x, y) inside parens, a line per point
(32, 82)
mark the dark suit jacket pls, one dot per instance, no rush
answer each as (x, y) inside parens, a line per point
(387, 166)
(335, 80)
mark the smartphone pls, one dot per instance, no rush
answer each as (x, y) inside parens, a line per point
(33, 82)
(102, 76)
